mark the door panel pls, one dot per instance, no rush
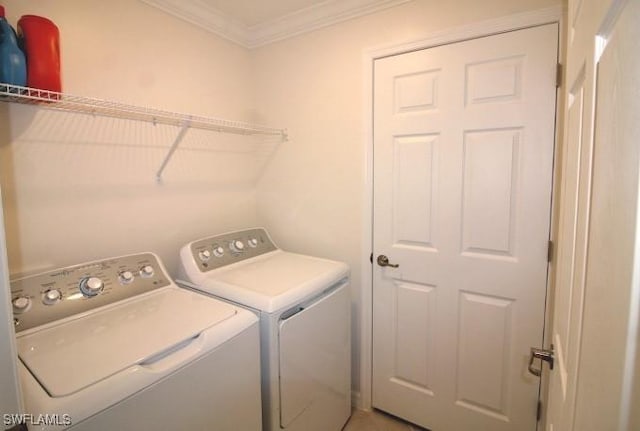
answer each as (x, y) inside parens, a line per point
(415, 369)
(490, 175)
(483, 360)
(414, 158)
(463, 149)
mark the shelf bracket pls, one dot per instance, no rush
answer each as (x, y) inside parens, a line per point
(174, 147)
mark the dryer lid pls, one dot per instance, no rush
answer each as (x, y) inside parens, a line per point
(73, 355)
(272, 281)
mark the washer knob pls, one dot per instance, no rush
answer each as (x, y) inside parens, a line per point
(21, 304)
(218, 251)
(51, 297)
(126, 277)
(204, 255)
(146, 271)
(91, 286)
(253, 242)
(236, 246)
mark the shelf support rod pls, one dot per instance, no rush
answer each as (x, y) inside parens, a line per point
(174, 147)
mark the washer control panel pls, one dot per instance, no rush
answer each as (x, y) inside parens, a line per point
(54, 295)
(220, 250)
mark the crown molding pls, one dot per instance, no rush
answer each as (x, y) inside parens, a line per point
(315, 17)
(204, 16)
(305, 20)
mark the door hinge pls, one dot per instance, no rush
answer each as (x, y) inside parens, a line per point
(550, 252)
(558, 75)
(539, 411)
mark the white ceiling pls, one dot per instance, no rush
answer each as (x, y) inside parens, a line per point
(253, 23)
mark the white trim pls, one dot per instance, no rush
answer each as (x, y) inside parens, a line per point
(321, 15)
(10, 398)
(206, 17)
(456, 34)
(366, 294)
(631, 358)
(315, 17)
(472, 31)
(561, 103)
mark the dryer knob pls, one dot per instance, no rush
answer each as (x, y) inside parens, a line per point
(218, 251)
(91, 286)
(253, 242)
(52, 296)
(204, 255)
(147, 271)
(236, 246)
(126, 277)
(21, 304)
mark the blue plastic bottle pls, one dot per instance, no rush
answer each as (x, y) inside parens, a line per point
(13, 66)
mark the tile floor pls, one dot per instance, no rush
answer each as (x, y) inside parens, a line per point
(377, 421)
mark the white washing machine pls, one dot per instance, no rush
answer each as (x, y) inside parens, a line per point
(116, 345)
(304, 308)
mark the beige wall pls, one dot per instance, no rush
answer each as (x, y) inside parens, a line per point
(78, 188)
(312, 193)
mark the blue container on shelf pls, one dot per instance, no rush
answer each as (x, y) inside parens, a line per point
(13, 66)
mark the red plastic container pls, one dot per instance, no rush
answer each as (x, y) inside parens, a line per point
(40, 40)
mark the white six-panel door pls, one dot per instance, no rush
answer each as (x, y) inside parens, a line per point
(463, 157)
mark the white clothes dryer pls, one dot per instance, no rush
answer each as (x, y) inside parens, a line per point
(304, 308)
(116, 345)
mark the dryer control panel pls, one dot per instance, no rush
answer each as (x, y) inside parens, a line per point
(225, 249)
(64, 292)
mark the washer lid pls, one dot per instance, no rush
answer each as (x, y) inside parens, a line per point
(272, 281)
(78, 353)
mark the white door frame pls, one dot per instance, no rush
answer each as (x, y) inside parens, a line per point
(362, 400)
(10, 396)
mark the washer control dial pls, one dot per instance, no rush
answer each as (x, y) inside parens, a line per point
(253, 242)
(91, 286)
(147, 271)
(236, 246)
(218, 251)
(21, 304)
(51, 296)
(126, 277)
(204, 255)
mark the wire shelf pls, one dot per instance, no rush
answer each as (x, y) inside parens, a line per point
(87, 105)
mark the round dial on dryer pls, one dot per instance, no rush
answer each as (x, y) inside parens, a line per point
(147, 271)
(236, 246)
(204, 255)
(21, 304)
(253, 242)
(91, 286)
(218, 251)
(51, 296)
(126, 277)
